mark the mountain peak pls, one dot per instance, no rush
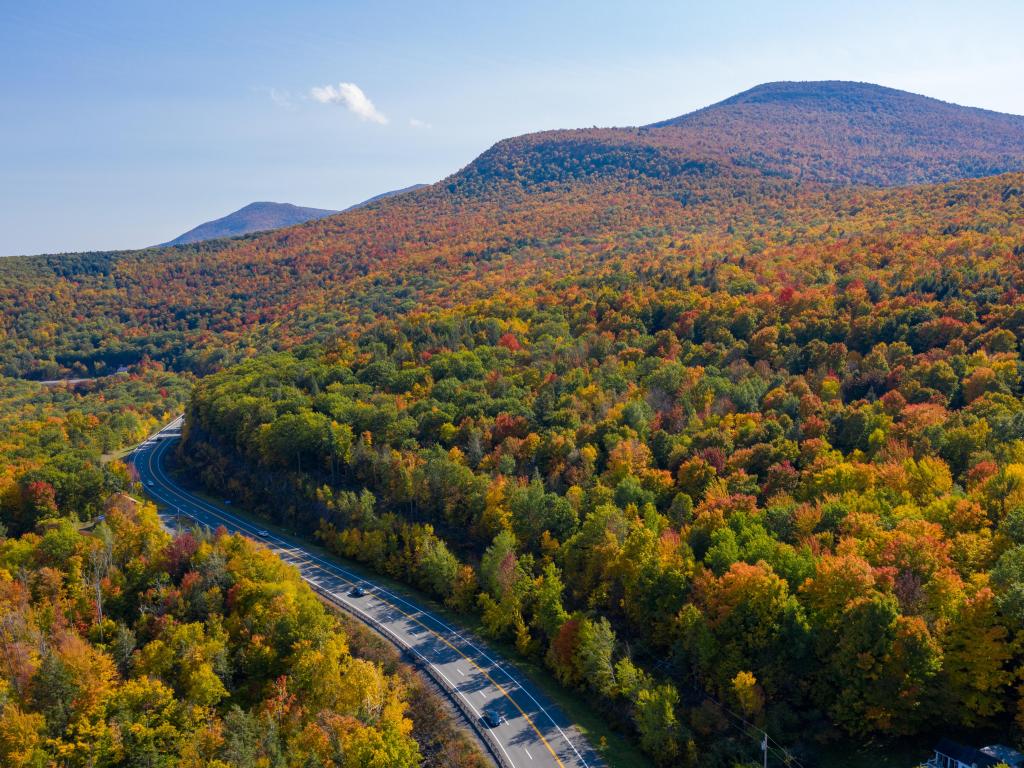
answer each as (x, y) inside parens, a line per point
(818, 90)
(844, 96)
(254, 217)
(831, 132)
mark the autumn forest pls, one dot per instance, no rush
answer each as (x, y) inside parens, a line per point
(720, 421)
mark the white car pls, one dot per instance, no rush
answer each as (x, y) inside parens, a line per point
(262, 534)
(150, 483)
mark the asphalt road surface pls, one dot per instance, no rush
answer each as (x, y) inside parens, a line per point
(532, 732)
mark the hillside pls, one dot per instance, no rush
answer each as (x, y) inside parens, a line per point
(578, 193)
(768, 469)
(255, 217)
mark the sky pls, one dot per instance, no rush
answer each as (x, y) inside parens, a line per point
(124, 124)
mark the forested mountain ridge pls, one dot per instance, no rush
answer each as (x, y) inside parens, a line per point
(195, 306)
(830, 132)
(847, 132)
(261, 217)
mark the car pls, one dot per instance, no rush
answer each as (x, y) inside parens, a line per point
(263, 533)
(150, 483)
(356, 591)
(492, 717)
(228, 502)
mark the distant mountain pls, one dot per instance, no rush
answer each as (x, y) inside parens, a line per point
(254, 217)
(385, 195)
(831, 132)
(259, 217)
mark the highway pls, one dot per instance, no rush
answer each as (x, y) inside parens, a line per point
(532, 732)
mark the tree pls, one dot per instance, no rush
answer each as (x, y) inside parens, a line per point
(494, 565)
(438, 568)
(748, 694)
(879, 667)
(595, 647)
(549, 614)
(976, 662)
(1008, 581)
(151, 723)
(657, 724)
(21, 737)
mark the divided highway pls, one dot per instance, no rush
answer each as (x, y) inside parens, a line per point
(530, 732)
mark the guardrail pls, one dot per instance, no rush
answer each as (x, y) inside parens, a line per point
(492, 744)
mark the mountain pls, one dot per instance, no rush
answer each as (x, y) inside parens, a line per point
(844, 132)
(528, 209)
(386, 195)
(255, 217)
(260, 217)
(829, 132)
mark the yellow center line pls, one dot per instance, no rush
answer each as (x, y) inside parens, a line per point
(412, 618)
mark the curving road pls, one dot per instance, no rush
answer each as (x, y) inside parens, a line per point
(532, 733)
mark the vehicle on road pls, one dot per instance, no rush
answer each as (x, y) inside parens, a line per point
(492, 717)
(150, 483)
(263, 533)
(228, 502)
(356, 591)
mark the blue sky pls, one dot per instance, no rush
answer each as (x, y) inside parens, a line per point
(123, 124)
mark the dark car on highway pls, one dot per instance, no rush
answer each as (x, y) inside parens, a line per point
(492, 717)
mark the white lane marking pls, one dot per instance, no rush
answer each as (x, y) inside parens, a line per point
(457, 669)
(482, 695)
(527, 753)
(456, 688)
(475, 711)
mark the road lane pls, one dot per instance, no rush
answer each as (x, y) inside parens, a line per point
(532, 732)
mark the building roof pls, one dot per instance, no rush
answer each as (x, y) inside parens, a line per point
(966, 755)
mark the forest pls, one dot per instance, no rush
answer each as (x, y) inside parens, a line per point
(126, 646)
(785, 489)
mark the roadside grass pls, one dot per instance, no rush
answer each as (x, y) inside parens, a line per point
(618, 751)
(121, 453)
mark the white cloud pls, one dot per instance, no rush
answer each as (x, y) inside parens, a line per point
(419, 123)
(350, 96)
